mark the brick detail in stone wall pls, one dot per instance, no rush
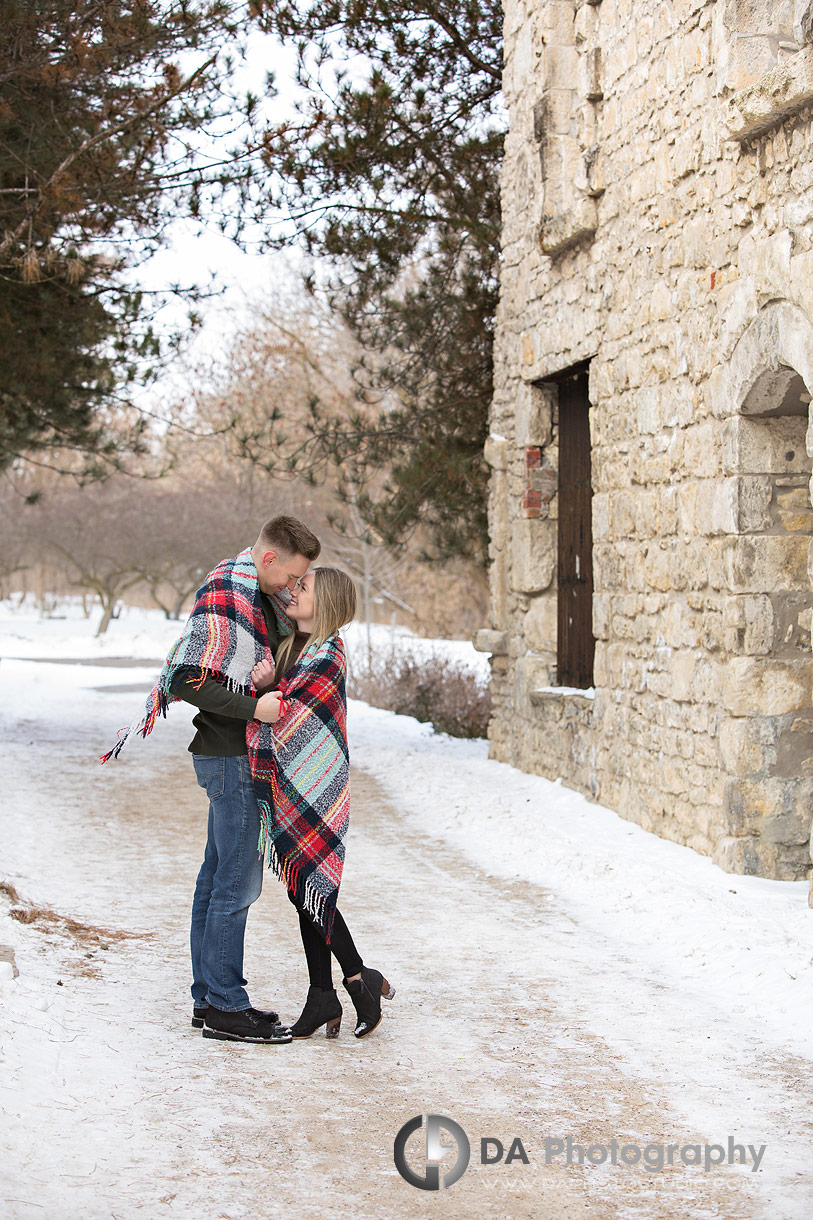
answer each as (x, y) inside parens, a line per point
(540, 484)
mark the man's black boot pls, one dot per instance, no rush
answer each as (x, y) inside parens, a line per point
(245, 1026)
(200, 1010)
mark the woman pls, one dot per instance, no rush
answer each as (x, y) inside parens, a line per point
(301, 776)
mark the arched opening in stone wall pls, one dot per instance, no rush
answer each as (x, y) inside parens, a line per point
(770, 806)
(775, 496)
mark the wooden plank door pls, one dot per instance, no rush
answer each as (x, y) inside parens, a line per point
(575, 642)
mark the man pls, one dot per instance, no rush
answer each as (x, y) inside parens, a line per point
(239, 622)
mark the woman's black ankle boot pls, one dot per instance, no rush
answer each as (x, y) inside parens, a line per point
(321, 1008)
(366, 994)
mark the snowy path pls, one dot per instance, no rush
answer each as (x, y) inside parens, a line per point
(113, 1107)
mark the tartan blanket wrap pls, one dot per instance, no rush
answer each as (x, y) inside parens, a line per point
(301, 771)
(225, 635)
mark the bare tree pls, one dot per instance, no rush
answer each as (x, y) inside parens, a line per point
(16, 539)
(91, 534)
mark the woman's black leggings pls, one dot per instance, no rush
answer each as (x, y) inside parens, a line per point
(317, 951)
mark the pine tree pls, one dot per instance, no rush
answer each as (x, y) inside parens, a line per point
(98, 124)
(390, 171)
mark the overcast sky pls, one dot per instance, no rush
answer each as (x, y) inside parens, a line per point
(199, 255)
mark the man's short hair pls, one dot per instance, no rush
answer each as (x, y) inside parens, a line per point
(290, 536)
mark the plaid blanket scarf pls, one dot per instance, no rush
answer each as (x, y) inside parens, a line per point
(225, 636)
(301, 773)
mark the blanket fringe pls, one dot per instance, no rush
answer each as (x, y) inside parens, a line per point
(303, 890)
(157, 705)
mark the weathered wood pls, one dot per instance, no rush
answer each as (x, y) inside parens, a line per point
(576, 645)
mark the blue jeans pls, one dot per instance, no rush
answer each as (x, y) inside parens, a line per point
(230, 879)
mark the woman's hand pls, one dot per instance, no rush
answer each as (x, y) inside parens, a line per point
(269, 707)
(262, 675)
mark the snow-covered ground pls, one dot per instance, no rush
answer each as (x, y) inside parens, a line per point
(697, 984)
(63, 631)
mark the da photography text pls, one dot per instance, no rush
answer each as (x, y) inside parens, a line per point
(422, 1167)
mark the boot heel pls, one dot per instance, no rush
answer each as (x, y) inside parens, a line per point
(321, 1008)
(366, 993)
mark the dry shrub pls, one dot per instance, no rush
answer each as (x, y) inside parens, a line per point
(433, 689)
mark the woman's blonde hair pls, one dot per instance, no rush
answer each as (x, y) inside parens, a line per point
(334, 605)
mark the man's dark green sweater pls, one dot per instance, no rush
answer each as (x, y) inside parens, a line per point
(221, 721)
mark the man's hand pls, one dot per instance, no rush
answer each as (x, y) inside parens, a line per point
(269, 707)
(262, 675)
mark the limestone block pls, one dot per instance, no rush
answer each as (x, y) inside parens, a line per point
(601, 668)
(590, 86)
(666, 513)
(706, 751)
(594, 167)
(495, 642)
(533, 555)
(559, 107)
(687, 507)
(562, 63)
(801, 278)
(534, 414)
(773, 97)
(738, 306)
(705, 515)
(793, 509)
(622, 513)
(495, 452)
(586, 24)
(752, 55)
(700, 450)
(735, 505)
(671, 777)
(764, 446)
(541, 624)
(683, 670)
(713, 562)
(601, 616)
(560, 231)
(737, 855)
(750, 498)
(765, 563)
(521, 61)
(601, 516)
(748, 744)
(777, 809)
(530, 673)
(708, 680)
(768, 261)
(750, 625)
(657, 567)
(556, 22)
(648, 408)
(757, 687)
(685, 155)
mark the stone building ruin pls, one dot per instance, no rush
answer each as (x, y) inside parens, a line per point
(649, 504)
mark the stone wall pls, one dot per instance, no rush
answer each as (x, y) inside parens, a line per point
(658, 197)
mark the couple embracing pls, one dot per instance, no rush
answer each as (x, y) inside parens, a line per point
(262, 659)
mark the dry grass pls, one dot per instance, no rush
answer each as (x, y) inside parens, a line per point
(46, 920)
